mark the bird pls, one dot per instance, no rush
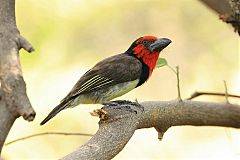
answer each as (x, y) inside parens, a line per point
(115, 75)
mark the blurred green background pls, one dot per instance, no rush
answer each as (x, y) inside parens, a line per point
(71, 36)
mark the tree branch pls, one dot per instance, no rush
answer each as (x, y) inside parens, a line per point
(197, 94)
(13, 98)
(221, 8)
(47, 133)
(116, 131)
(228, 10)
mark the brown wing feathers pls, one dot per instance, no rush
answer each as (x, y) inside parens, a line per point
(109, 72)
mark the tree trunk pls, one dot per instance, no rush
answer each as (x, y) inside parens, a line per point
(13, 98)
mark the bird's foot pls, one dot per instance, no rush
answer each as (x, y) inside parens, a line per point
(138, 105)
(123, 104)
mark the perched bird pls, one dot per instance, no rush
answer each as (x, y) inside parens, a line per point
(116, 75)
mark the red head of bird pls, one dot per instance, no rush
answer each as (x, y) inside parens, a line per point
(147, 49)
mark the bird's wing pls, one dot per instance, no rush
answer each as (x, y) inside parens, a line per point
(108, 72)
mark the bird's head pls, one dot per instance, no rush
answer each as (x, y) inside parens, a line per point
(147, 49)
(148, 45)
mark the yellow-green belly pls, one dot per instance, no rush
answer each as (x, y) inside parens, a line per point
(105, 94)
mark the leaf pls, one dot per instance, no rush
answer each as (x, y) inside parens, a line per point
(161, 62)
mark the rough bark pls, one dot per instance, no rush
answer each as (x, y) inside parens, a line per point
(228, 10)
(114, 132)
(13, 98)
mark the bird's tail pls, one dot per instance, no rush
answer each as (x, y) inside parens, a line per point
(63, 105)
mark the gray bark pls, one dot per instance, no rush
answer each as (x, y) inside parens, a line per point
(13, 98)
(114, 133)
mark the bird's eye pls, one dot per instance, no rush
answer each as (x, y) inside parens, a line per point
(144, 42)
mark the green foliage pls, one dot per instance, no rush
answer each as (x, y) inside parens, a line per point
(161, 62)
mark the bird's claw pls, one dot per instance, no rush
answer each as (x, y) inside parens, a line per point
(123, 104)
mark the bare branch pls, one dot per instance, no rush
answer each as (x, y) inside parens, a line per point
(228, 10)
(197, 94)
(226, 91)
(115, 132)
(23, 43)
(178, 80)
(221, 8)
(178, 84)
(47, 133)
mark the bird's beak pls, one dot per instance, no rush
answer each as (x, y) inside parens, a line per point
(160, 44)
